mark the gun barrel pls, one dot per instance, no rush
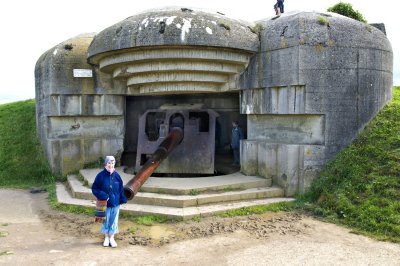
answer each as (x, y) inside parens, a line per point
(173, 139)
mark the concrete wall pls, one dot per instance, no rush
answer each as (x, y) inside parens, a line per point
(309, 91)
(78, 119)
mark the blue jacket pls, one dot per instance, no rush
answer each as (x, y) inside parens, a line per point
(101, 186)
(237, 135)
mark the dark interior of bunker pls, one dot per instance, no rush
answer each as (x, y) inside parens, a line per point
(226, 108)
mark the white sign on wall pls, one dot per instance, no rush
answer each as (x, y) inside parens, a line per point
(83, 73)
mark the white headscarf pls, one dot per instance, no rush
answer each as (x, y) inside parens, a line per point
(109, 158)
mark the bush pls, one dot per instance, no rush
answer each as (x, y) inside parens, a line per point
(346, 9)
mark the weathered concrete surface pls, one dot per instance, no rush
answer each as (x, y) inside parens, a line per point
(331, 79)
(175, 26)
(306, 88)
(175, 50)
(176, 193)
(76, 122)
(187, 212)
(174, 69)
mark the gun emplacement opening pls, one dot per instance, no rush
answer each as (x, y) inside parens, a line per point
(180, 141)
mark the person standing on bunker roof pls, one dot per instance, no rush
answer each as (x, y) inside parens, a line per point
(237, 135)
(108, 185)
(279, 7)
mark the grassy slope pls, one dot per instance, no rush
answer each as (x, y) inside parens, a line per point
(360, 188)
(22, 162)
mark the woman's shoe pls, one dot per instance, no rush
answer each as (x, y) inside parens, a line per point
(113, 243)
(106, 242)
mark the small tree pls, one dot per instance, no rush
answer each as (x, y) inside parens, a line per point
(346, 9)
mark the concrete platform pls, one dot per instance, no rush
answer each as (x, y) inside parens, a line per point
(186, 186)
(63, 196)
(180, 201)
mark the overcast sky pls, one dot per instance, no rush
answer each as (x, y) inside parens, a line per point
(31, 27)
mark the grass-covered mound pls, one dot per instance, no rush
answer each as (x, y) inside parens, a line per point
(22, 162)
(361, 186)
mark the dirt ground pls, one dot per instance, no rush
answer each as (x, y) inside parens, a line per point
(33, 234)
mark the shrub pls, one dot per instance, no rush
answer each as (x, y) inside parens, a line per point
(346, 9)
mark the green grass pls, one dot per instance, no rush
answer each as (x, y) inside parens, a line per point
(3, 253)
(51, 190)
(230, 188)
(196, 219)
(21, 156)
(360, 188)
(322, 20)
(194, 192)
(259, 209)
(150, 219)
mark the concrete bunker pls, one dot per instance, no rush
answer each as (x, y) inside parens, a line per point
(301, 89)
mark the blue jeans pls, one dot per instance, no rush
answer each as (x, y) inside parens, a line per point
(279, 5)
(110, 225)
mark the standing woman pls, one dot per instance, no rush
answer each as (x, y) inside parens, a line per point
(108, 185)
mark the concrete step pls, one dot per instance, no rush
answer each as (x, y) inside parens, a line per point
(188, 186)
(63, 196)
(181, 201)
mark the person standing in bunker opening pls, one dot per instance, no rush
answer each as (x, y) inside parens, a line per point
(108, 185)
(279, 7)
(237, 135)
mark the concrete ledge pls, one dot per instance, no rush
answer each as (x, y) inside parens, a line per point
(186, 186)
(109, 63)
(178, 213)
(63, 196)
(168, 66)
(78, 190)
